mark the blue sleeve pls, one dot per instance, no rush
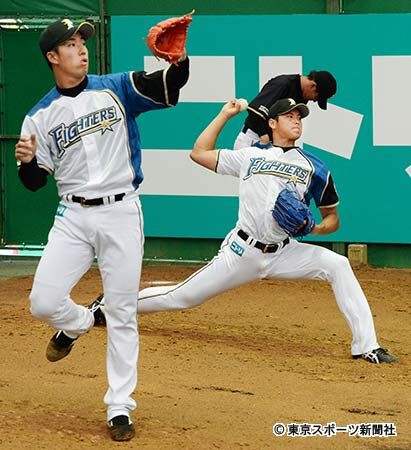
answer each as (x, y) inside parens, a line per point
(321, 185)
(123, 86)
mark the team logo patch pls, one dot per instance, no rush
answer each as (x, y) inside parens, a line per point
(64, 136)
(61, 209)
(68, 23)
(236, 248)
(259, 166)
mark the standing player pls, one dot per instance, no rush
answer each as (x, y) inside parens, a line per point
(84, 133)
(317, 86)
(258, 248)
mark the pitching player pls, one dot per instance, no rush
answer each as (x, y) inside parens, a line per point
(258, 248)
(317, 86)
(83, 132)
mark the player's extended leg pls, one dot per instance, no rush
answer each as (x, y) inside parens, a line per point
(119, 249)
(65, 259)
(233, 266)
(305, 261)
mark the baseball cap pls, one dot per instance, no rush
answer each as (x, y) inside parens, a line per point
(326, 86)
(285, 105)
(62, 30)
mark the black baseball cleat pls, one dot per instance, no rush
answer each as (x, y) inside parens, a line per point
(96, 308)
(377, 356)
(60, 346)
(121, 428)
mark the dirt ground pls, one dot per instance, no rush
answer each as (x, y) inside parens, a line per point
(216, 377)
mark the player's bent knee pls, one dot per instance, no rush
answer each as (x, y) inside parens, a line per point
(339, 263)
(42, 306)
(342, 262)
(332, 264)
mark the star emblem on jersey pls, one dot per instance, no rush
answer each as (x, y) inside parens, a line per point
(64, 136)
(106, 125)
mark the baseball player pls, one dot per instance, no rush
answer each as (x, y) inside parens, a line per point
(317, 86)
(258, 247)
(84, 133)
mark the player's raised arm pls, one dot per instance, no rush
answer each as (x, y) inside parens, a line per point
(204, 152)
(167, 41)
(163, 85)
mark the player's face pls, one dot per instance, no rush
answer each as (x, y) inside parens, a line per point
(310, 91)
(72, 57)
(289, 125)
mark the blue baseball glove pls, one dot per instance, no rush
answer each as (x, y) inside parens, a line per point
(293, 215)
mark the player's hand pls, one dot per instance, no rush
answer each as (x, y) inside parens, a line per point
(265, 139)
(231, 109)
(301, 227)
(182, 57)
(26, 148)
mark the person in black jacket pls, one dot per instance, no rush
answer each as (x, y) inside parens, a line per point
(317, 86)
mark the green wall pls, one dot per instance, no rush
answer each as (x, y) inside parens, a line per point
(176, 7)
(29, 214)
(373, 179)
(46, 8)
(26, 216)
(215, 7)
(376, 6)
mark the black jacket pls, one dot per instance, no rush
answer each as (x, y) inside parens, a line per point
(283, 86)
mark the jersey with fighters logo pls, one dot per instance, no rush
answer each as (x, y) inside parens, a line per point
(91, 141)
(263, 173)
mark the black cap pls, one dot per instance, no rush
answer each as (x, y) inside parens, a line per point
(326, 86)
(285, 105)
(61, 31)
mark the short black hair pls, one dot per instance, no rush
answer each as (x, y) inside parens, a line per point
(311, 75)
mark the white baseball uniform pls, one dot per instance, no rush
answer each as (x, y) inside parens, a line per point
(258, 248)
(88, 138)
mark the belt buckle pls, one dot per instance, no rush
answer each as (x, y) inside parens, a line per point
(267, 246)
(83, 203)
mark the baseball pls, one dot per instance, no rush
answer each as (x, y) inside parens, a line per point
(243, 104)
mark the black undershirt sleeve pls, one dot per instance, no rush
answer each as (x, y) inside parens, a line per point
(32, 176)
(152, 84)
(330, 196)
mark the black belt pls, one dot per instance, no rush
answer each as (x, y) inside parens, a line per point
(95, 201)
(265, 248)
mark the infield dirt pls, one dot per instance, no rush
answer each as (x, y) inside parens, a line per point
(215, 377)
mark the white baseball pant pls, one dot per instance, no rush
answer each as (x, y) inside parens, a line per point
(296, 260)
(114, 234)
